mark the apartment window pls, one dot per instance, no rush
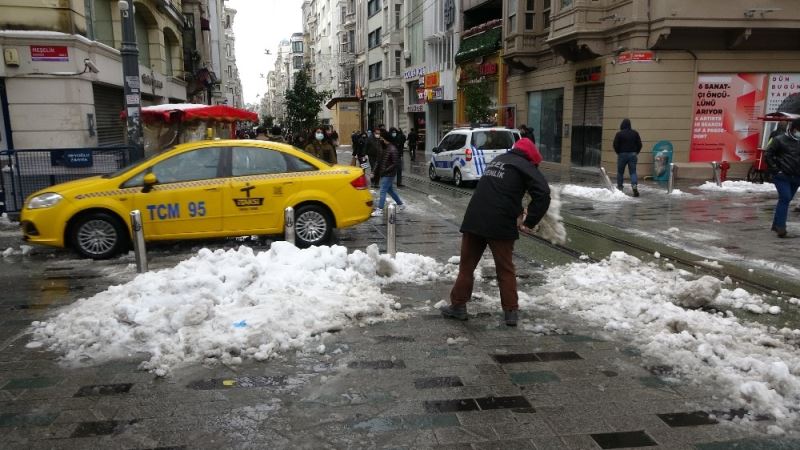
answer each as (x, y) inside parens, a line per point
(397, 56)
(373, 6)
(397, 16)
(512, 16)
(530, 16)
(351, 38)
(374, 38)
(344, 14)
(297, 47)
(546, 13)
(375, 71)
(297, 62)
(230, 71)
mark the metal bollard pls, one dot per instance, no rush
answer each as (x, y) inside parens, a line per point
(288, 224)
(138, 241)
(606, 180)
(391, 232)
(671, 181)
(715, 169)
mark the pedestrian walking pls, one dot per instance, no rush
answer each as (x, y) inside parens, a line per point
(413, 137)
(494, 217)
(783, 158)
(261, 134)
(399, 141)
(627, 145)
(385, 172)
(373, 147)
(321, 147)
(275, 135)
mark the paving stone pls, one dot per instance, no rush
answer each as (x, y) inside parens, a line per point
(543, 376)
(515, 444)
(104, 389)
(464, 435)
(571, 423)
(487, 403)
(534, 427)
(752, 444)
(579, 442)
(32, 383)
(26, 420)
(469, 418)
(446, 406)
(437, 382)
(549, 443)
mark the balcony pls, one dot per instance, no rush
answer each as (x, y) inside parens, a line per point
(587, 29)
(482, 40)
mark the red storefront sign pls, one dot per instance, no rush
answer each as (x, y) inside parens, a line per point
(487, 69)
(636, 56)
(432, 80)
(49, 53)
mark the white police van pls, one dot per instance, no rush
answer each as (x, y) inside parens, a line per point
(464, 153)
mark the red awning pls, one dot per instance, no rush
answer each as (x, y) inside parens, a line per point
(185, 112)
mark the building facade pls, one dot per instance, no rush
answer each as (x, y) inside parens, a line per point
(429, 78)
(232, 83)
(51, 97)
(380, 62)
(695, 74)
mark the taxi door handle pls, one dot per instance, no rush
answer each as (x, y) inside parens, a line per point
(212, 189)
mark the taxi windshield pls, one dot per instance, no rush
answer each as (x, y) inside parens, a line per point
(134, 165)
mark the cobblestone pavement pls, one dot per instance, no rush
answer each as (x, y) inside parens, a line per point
(423, 382)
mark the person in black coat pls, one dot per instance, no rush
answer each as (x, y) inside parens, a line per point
(783, 158)
(627, 145)
(494, 217)
(399, 141)
(413, 137)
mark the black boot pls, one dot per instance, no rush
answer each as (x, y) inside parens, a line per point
(454, 312)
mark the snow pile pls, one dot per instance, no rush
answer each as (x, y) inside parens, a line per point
(23, 250)
(6, 224)
(757, 367)
(738, 187)
(551, 227)
(226, 306)
(597, 194)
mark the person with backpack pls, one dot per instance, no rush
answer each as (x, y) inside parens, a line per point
(627, 145)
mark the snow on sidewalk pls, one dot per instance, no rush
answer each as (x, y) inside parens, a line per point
(753, 366)
(232, 305)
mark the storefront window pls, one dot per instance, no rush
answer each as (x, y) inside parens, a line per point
(545, 117)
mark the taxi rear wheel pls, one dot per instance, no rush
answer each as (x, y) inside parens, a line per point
(98, 236)
(312, 226)
(432, 173)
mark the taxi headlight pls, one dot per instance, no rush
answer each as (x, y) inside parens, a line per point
(45, 200)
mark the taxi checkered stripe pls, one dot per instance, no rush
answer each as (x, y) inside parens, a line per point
(213, 182)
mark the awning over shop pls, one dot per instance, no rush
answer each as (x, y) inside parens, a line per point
(185, 112)
(480, 44)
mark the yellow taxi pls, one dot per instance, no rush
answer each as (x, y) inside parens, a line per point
(203, 189)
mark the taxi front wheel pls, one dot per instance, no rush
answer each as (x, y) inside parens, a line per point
(312, 226)
(98, 236)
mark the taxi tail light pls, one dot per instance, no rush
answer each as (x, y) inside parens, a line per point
(468, 152)
(360, 182)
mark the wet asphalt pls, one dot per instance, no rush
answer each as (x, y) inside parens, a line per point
(417, 383)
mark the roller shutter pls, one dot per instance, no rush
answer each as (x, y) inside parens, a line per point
(108, 104)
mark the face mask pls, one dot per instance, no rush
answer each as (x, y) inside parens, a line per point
(369, 133)
(796, 134)
(394, 134)
(319, 136)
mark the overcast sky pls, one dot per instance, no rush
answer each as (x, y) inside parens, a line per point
(260, 25)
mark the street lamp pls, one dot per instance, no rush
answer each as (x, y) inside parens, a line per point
(130, 78)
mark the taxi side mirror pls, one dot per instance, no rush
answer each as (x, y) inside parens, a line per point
(435, 150)
(149, 181)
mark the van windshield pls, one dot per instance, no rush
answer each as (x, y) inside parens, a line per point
(492, 140)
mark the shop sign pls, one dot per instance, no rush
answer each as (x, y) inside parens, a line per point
(420, 95)
(151, 81)
(49, 53)
(434, 94)
(417, 72)
(373, 94)
(78, 158)
(781, 85)
(635, 56)
(487, 69)
(589, 74)
(432, 80)
(416, 108)
(726, 111)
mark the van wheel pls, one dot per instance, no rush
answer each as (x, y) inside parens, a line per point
(98, 236)
(312, 226)
(432, 173)
(457, 180)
